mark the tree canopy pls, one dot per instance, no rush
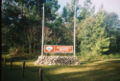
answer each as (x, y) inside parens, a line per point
(97, 33)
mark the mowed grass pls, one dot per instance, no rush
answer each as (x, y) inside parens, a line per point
(107, 70)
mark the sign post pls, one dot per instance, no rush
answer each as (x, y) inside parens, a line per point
(43, 23)
(74, 27)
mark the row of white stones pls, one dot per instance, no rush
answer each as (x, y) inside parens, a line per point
(57, 60)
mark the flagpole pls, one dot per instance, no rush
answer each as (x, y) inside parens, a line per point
(43, 24)
(74, 28)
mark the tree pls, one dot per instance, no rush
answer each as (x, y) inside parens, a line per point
(11, 25)
(93, 36)
(22, 23)
(86, 10)
(112, 23)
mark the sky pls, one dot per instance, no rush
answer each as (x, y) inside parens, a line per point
(108, 5)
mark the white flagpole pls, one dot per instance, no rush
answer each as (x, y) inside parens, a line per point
(43, 24)
(74, 28)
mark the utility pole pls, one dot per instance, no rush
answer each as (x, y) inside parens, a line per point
(43, 24)
(74, 28)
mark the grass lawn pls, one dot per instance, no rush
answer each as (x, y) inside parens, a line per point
(107, 70)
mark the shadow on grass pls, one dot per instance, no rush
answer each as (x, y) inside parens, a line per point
(15, 74)
(103, 71)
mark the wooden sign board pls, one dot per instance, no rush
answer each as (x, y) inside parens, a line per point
(58, 49)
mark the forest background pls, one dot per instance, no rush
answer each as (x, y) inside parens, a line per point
(97, 34)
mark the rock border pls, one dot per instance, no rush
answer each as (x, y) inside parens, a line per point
(57, 60)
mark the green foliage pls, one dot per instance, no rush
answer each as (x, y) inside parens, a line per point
(97, 34)
(93, 37)
(21, 25)
(112, 24)
(86, 10)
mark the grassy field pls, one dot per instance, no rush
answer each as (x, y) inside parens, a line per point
(107, 70)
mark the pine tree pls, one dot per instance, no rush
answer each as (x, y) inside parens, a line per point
(93, 37)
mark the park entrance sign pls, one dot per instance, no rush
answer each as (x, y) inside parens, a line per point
(56, 59)
(58, 49)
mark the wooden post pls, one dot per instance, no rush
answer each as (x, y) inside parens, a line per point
(41, 74)
(11, 64)
(23, 69)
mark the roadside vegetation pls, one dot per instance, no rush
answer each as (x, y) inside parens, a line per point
(97, 40)
(97, 34)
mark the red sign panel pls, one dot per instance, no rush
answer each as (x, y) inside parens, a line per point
(58, 49)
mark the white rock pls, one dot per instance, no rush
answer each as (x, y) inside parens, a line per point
(57, 60)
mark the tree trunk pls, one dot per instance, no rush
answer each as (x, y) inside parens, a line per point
(29, 45)
(34, 47)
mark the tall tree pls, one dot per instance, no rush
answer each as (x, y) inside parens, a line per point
(22, 22)
(93, 37)
(112, 23)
